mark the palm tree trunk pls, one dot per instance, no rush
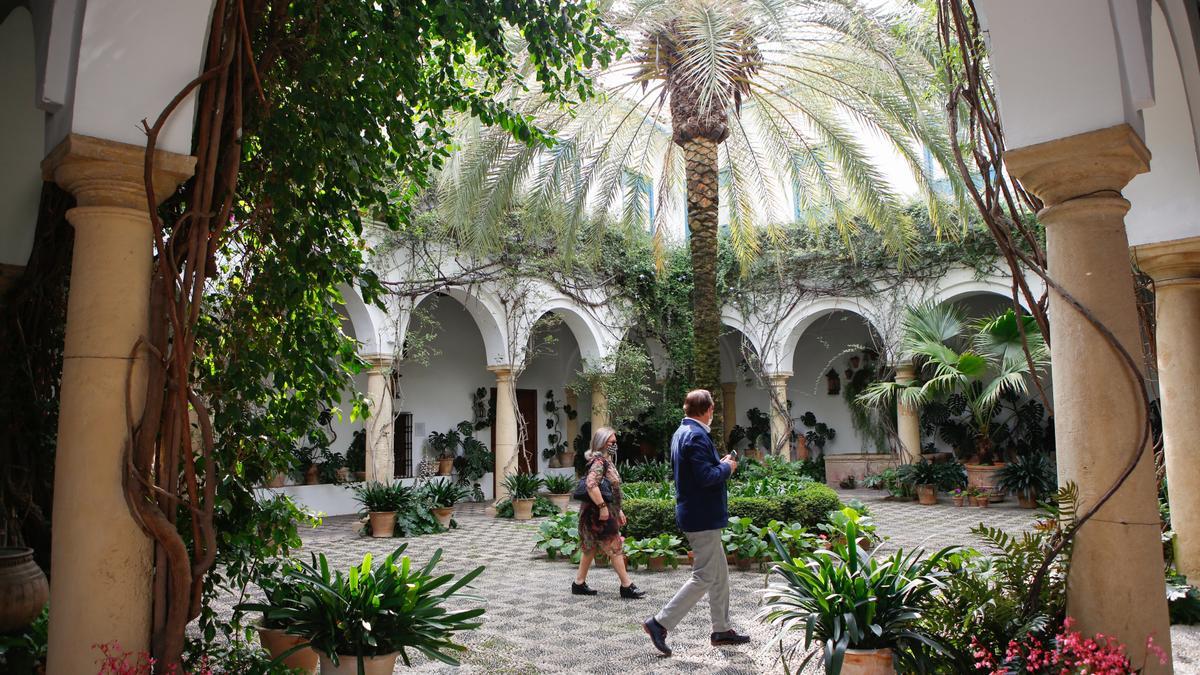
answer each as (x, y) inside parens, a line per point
(701, 156)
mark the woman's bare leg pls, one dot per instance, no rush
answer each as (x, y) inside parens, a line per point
(618, 563)
(585, 562)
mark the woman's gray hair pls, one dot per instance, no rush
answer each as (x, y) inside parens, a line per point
(600, 441)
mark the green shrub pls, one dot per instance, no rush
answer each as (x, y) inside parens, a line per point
(760, 510)
(810, 506)
(647, 518)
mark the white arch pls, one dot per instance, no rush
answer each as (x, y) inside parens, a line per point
(484, 307)
(582, 326)
(792, 328)
(735, 318)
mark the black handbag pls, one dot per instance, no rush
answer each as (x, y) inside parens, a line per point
(581, 490)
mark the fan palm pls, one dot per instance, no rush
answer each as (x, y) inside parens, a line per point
(757, 105)
(980, 361)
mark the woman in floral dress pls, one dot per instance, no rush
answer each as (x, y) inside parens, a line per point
(600, 520)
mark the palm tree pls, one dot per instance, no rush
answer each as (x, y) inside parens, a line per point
(981, 361)
(760, 105)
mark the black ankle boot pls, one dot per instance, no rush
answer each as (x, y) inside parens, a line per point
(581, 589)
(632, 592)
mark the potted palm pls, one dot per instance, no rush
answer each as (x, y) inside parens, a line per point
(867, 611)
(522, 489)
(443, 495)
(290, 650)
(382, 501)
(923, 477)
(1030, 478)
(360, 623)
(560, 489)
(976, 363)
(445, 448)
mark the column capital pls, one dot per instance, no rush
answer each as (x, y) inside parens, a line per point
(1084, 164)
(379, 361)
(101, 172)
(906, 372)
(777, 377)
(503, 372)
(1170, 262)
(727, 387)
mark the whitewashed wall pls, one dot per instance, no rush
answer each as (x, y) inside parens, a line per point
(23, 125)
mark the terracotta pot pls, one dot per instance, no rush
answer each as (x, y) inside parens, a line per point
(276, 642)
(312, 476)
(23, 589)
(276, 481)
(561, 501)
(927, 494)
(343, 475)
(568, 459)
(730, 559)
(348, 665)
(958, 500)
(691, 558)
(802, 451)
(522, 509)
(1026, 499)
(743, 564)
(445, 465)
(443, 515)
(984, 477)
(657, 563)
(383, 523)
(360, 476)
(867, 662)
(982, 501)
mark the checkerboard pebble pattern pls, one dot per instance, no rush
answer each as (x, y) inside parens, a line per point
(534, 625)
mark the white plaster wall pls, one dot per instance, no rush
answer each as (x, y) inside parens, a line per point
(134, 57)
(1165, 203)
(1060, 68)
(23, 125)
(438, 394)
(554, 365)
(820, 348)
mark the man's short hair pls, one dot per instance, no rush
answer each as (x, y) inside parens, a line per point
(697, 402)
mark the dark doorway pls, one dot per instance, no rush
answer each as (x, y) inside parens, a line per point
(527, 406)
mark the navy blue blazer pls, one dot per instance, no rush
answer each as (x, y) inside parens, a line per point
(701, 502)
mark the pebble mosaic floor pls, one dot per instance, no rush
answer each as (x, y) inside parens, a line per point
(534, 625)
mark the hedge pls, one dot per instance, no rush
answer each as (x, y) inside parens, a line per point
(809, 507)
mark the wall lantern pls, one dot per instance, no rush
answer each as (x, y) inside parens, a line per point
(834, 382)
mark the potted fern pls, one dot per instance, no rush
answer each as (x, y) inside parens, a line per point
(1030, 478)
(443, 495)
(360, 623)
(560, 488)
(522, 489)
(382, 501)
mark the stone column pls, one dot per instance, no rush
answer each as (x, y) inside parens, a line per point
(599, 407)
(729, 401)
(381, 452)
(1116, 580)
(100, 557)
(908, 418)
(506, 428)
(781, 420)
(1175, 267)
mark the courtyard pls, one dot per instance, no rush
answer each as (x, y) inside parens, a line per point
(915, 267)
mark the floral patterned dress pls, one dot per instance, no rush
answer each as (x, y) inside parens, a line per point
(602, 536)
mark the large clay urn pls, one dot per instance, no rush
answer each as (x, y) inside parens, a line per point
(23, 589)
(868, 662)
